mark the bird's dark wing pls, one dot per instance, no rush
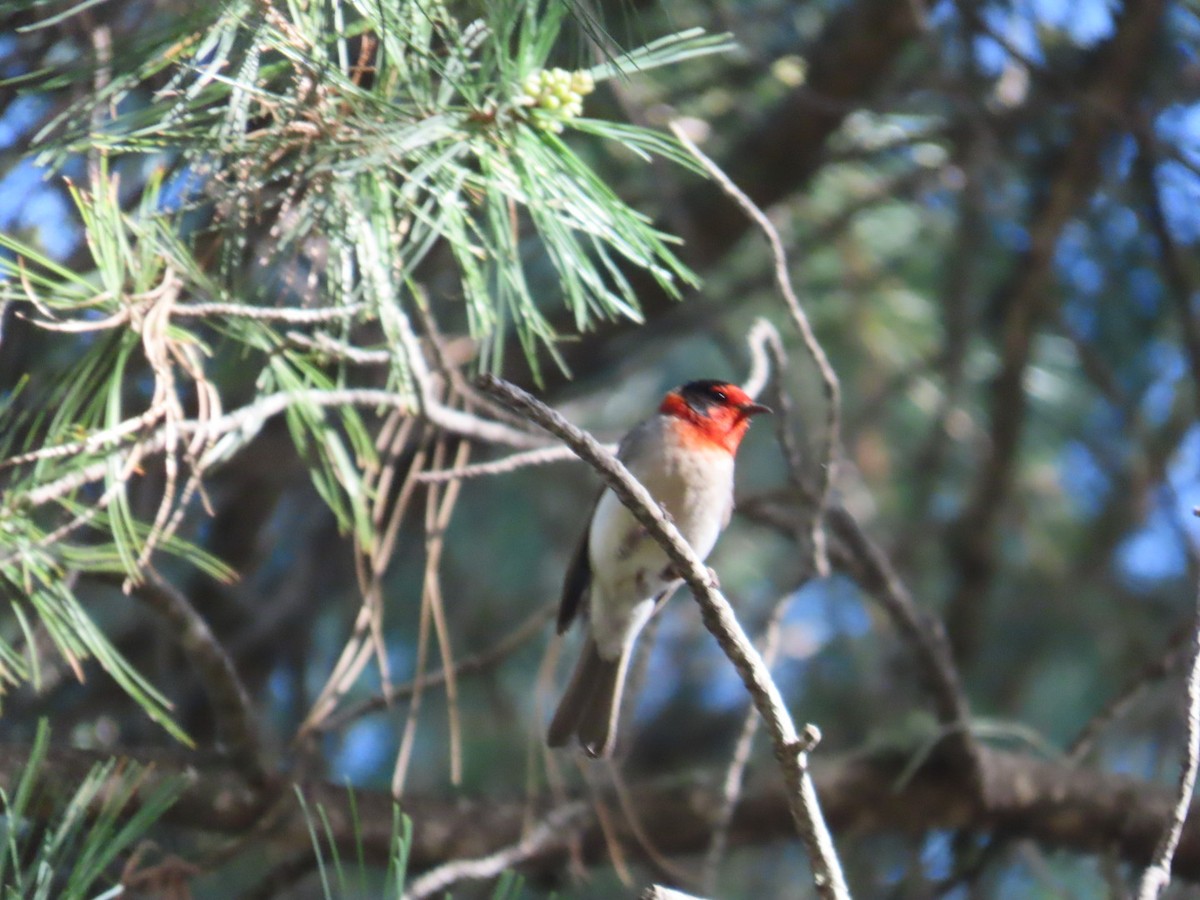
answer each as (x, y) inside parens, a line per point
(575, 585)
(579, 572)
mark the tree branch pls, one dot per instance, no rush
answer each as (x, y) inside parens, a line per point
(1062, 806)
(227, 695)
(791, 751)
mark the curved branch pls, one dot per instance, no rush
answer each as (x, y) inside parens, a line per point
(791, 750)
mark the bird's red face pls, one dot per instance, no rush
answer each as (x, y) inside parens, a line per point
(711, 414)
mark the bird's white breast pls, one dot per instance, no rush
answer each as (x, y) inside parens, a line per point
(629, 569)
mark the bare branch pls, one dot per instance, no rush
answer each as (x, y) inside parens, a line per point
(829, 380)
(289, 315)
(921, 631)
(490, 866)
(540, 457)
(790, 750)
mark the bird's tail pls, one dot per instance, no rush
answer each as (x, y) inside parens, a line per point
(591, 702)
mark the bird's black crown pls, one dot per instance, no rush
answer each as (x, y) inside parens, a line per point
(705, 394)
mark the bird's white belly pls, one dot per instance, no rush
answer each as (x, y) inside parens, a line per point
(629, 569)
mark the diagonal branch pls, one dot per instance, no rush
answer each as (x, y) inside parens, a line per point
(922, 631)
(791, 751)
(227, 694)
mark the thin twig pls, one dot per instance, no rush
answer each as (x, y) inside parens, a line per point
(786, 428)
(1158, 875)
(760, 335)
(480, 662)
(548, 832)
(288, 315)
(438, 509)
(436, 541)
(1176, 654)
(234, 429)
(330, 346)
(829, 379)
(791, 750)
(867, 563)
(524, 459)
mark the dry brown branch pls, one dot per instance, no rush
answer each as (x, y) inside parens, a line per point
(438, 509)
(480, 662)
(831, 439)
(791, 750)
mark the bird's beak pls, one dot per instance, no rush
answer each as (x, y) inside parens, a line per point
(753, 409)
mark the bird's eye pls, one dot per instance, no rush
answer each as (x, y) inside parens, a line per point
(719, 395)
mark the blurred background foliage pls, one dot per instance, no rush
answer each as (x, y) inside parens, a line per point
(991, 211)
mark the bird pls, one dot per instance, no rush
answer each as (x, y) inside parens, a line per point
(618, 576)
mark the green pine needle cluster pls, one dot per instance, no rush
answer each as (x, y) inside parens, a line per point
(77, 854)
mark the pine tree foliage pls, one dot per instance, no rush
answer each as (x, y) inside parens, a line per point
(72, 856)
(306, 160)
